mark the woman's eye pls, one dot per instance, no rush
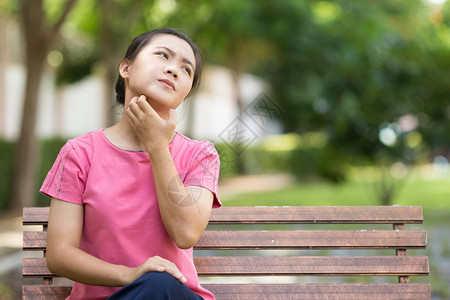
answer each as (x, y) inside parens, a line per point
(162, 54)
(187, 70)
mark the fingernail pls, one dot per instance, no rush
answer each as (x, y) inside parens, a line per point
(183, 279)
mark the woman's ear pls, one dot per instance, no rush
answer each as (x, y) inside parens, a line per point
(123, 68)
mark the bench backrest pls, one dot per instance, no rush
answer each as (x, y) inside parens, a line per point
(265, 229)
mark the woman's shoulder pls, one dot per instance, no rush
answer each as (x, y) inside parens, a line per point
(183, 141)
(84, 145)
(85, 140)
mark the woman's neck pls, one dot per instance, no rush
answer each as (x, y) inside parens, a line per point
(122, 135)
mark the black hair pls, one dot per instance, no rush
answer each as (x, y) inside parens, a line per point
(142, 40)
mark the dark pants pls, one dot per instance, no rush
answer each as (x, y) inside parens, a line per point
(155, 285)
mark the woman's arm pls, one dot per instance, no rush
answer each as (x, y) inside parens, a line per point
(185, 211)
(65, 258)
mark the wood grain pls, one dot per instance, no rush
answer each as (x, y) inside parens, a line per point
(284, 239)
(345, 291)
(395, 263)
(287, 215)
(292, 265)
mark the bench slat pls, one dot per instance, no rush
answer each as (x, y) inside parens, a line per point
(35, 215)
(287, 215)
(312, 265)
(353, 291)
(278, 291)
(282, 239)
(312, 239)
(318, 214)
(402, 266)
(44, 292)
(298, 265)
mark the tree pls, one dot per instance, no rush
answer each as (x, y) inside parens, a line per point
(348, 69)
(39, 38)
(357, 69)
(232, 33)
(106, 30)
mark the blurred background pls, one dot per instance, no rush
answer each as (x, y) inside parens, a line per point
(308, 102)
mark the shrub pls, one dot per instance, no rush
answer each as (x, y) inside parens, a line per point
(6, 168)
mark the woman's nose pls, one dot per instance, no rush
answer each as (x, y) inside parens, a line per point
(171, 70)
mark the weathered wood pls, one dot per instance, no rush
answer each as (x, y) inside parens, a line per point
(285, 239)
(401, 252)
(312, 265)
(35, 215)
(312, 239)
(44, 292)
(292, 265)
(399, 239)
(279, 291)
(318, 215)
(343, 291)
(287, 215)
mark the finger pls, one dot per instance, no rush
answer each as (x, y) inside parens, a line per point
(133, 118)
(175, 272)
(134, 107)
(168, 267)
(160, 264)
(133, 101)
(146, 107)
(170, 270)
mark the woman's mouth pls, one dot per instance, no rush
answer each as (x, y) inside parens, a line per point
(167, 83)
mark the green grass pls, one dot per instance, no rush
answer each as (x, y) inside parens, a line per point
(432, 195)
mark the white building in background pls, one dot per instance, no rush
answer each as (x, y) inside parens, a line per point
(78, 108)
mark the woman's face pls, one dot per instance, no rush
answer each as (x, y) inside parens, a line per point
(163, 71)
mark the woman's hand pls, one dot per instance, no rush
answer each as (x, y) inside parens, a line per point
(153, 131)
(154, 264)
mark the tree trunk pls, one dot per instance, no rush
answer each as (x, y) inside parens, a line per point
(240, 164)
(38, 39)
(27, 146)
(108, 59)
(238, 64)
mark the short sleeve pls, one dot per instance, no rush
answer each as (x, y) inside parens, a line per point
(66, 179)
(204, 171)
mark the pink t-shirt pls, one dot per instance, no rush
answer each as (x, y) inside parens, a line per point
(122, 222)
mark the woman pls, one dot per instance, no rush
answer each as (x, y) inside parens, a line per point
(130, 201)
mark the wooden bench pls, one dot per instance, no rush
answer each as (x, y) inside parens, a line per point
(278, 238)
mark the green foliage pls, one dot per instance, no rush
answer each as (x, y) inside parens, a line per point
(9, 7)
(227, 160)
(6, 292)
(262, 161)
(323, 163)
(48, 153)
(363, 65)
(79, 62)
(347, 69)
(6, 169)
